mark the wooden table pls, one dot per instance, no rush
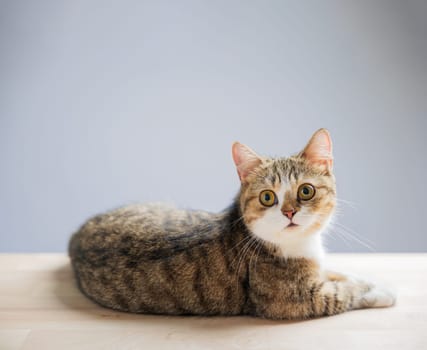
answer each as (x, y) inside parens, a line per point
(41, 308)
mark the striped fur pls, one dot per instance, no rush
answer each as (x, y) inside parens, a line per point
(154, 259)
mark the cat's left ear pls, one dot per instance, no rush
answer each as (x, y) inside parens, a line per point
(246, 160)
(319, 149)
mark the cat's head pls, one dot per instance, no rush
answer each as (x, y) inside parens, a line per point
(285, 199)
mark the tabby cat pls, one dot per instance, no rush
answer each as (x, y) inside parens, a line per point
(262, 256)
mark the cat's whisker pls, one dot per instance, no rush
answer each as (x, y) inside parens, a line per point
(347, 229)
(245, 251)
(245, 242)
(352, 205)
(239, 243)
(252, 255)
(348, 235)
(342, 237)
(256, 251)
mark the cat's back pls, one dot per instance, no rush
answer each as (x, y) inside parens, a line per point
(157, 259)
(140, 228)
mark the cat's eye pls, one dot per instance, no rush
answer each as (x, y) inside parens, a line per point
(268, 198)
(306, 192)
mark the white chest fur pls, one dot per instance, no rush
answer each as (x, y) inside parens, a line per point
(297, 246)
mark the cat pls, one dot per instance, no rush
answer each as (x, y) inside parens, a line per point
(262, 256)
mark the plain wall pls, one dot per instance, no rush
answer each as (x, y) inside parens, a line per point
(108, 103)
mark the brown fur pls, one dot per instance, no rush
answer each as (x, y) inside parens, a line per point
(153, 259)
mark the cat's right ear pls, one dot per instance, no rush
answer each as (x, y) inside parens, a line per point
(246, 160)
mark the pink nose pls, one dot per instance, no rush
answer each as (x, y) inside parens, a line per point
(289, 213)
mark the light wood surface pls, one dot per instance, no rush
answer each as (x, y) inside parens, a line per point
(41, 308)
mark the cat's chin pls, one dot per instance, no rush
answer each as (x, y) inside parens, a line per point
(294, 228)
(291, 226)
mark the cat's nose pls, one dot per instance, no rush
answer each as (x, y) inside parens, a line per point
(289, 213)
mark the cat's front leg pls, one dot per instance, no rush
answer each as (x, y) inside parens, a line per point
(297, 290)
(346, 294)
(375, 296)
(317, 298)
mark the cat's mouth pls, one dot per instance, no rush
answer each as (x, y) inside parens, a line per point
(292, 224)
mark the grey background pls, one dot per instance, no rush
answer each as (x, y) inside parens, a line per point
(107, 103)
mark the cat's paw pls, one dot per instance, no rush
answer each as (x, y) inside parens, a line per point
(370, 295)
(377, 297)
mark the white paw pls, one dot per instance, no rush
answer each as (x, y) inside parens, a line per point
(378, 297)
